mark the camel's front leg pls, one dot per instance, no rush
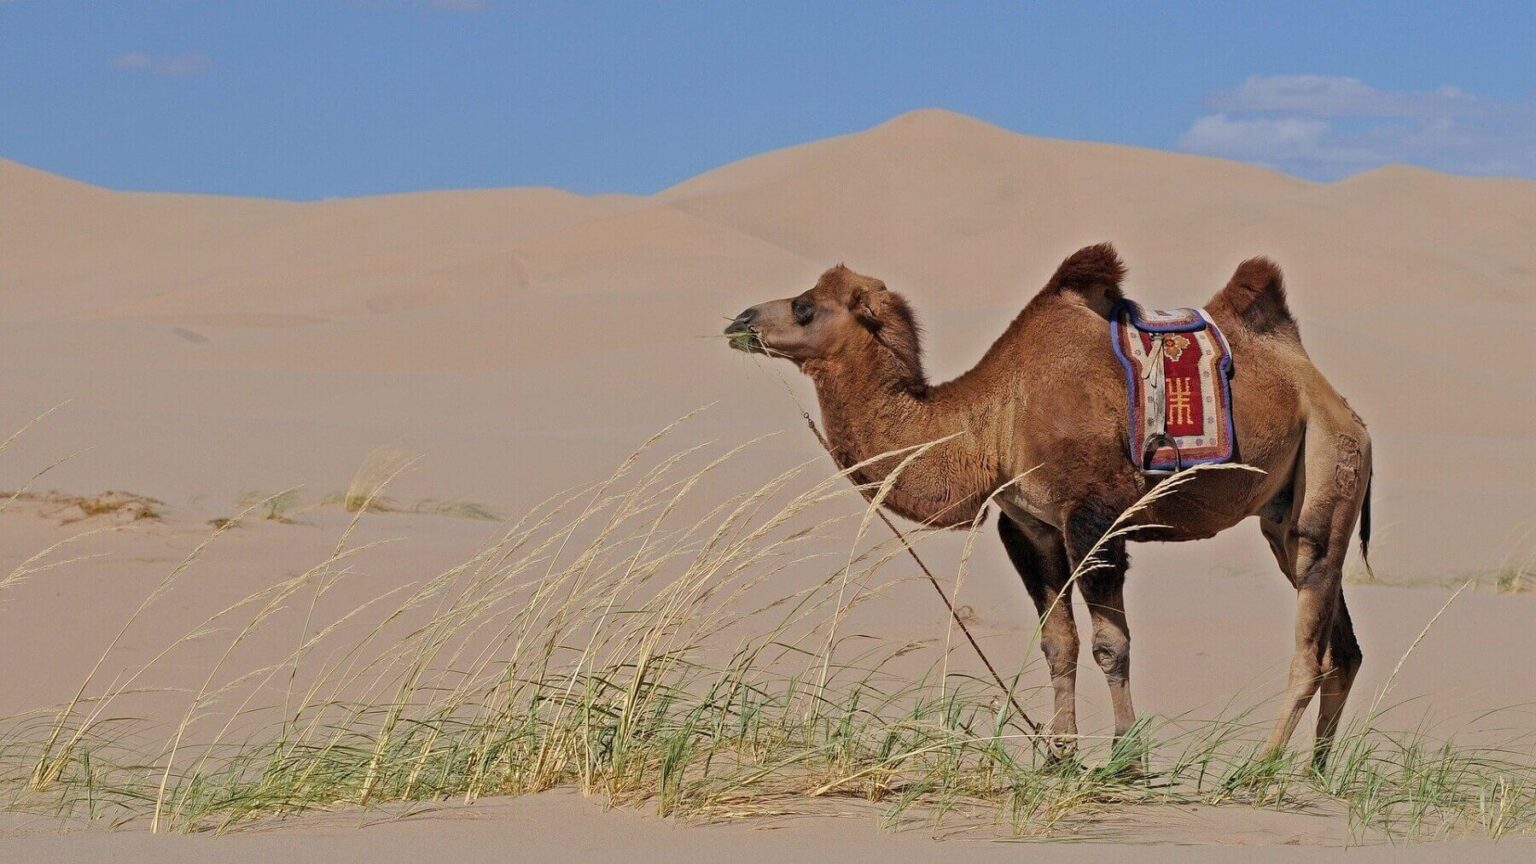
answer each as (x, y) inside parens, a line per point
(1112, 643)
(1101, 567)
(1037, 553)
(1059, 644)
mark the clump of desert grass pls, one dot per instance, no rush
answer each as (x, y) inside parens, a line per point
(281, 506)
(703, 665)
(365, 492)
(367, 487)
(1515, 578)
(289, 506)
(68, 509)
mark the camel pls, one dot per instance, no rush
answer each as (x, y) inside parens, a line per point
(1042, 422)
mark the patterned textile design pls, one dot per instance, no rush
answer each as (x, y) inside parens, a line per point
(1177, 377)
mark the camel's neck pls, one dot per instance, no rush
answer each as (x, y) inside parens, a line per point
(871, 406)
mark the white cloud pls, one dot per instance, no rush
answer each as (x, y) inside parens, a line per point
(1322, 96)
(1279, 137)
(168, 65)
(1328, 127)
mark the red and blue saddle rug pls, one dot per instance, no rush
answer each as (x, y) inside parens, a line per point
(1177, 377)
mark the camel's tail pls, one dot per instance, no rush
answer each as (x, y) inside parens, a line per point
(1255, 299)
(1365, 527)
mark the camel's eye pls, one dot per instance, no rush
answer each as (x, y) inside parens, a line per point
(804, 310)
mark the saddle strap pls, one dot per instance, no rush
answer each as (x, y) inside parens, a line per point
(1157, 413)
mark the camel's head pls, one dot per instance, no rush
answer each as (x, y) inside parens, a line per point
(843, 313)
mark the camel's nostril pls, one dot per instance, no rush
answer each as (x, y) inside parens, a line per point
(742, 323)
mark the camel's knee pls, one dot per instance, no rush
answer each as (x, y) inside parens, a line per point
(1113, 654)
(1060, 655)
(1315, 572)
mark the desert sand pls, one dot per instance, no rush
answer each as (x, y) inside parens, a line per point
(205, 350)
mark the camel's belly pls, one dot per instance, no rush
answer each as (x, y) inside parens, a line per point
(1201, 506)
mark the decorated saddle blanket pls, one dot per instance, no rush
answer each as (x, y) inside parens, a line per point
(1177, 378)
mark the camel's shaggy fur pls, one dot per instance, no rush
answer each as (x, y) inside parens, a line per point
(1044, 414)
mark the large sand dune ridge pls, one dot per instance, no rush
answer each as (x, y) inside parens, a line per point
(523, 338)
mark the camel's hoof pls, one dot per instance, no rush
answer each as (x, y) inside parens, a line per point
(1062, 757)
(1320, 756)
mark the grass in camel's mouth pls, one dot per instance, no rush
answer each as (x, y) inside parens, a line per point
(748, 341)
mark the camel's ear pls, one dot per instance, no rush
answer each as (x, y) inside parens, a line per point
(890, 318)
(867, 304)
(1091, 274)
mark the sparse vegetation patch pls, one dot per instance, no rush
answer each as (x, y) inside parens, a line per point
(703, 667)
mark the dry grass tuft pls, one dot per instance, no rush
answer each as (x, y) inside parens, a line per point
(120, 507)
(275, 507)
(704, 666)
(379, 467)
(1515, 578)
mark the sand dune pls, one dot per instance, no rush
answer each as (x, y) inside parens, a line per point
(534, 308)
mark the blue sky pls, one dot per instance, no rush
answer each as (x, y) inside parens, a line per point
(317, 98)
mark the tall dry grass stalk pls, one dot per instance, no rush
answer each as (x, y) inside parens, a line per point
(642, 644)
(379, 467)
(38, 562)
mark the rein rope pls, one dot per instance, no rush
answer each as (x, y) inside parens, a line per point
(1034, 728)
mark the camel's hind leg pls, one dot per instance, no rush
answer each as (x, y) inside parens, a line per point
(1310, 542)
(1342, 657)
(1340, 664)
(1037, 553)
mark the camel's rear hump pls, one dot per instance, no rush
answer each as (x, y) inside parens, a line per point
(1255, 298)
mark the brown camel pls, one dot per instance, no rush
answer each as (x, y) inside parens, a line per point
(1044, 414)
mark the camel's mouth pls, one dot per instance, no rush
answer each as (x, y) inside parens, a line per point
(744, 337)
(748, 342)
